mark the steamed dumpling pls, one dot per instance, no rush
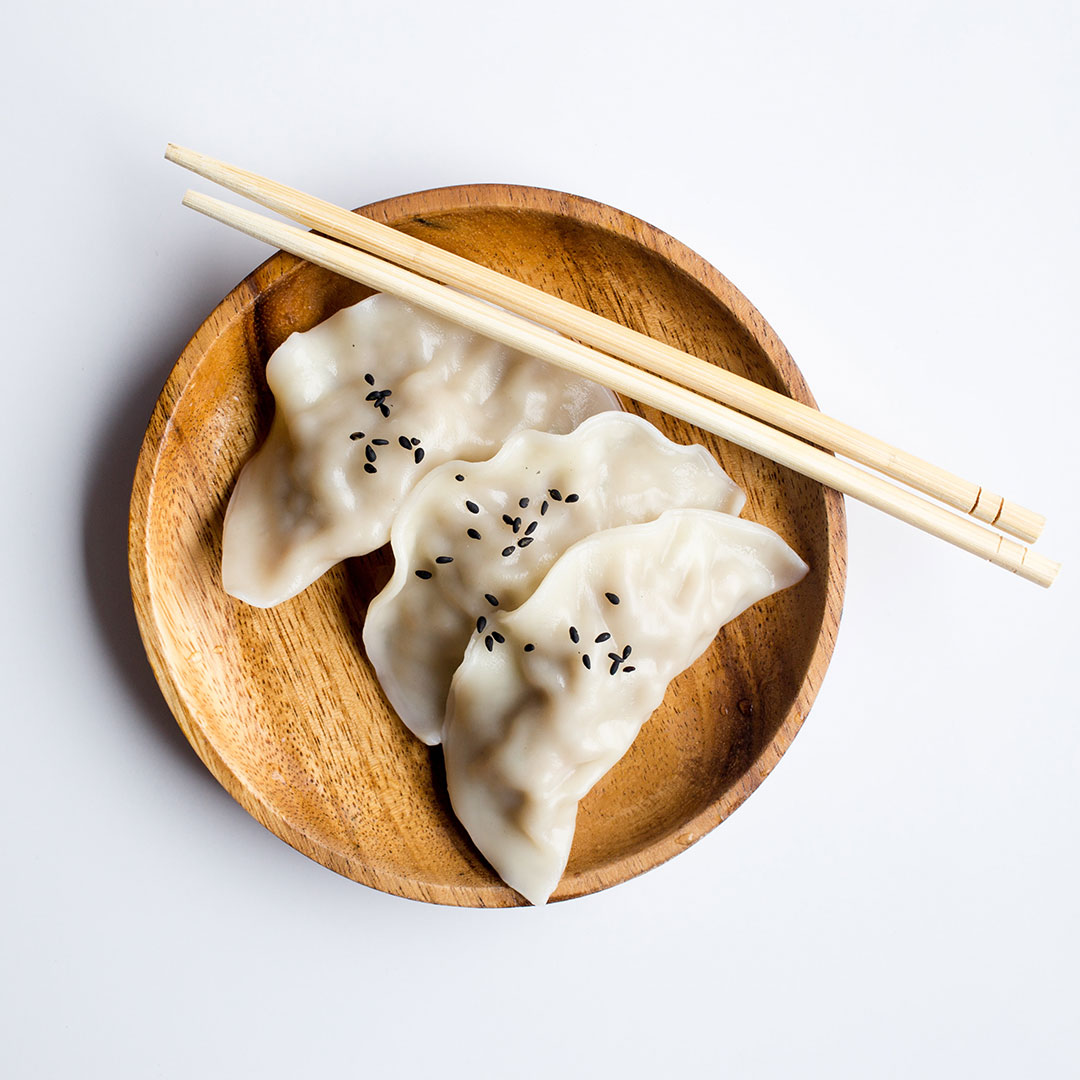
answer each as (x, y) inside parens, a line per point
(533, 723)
(367, 403)
(472, 541)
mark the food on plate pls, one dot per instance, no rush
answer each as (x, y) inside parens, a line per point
(367, 403)
(475, 540)
(535, 720)
(557, 562)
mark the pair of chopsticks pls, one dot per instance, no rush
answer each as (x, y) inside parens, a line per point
(673, 381)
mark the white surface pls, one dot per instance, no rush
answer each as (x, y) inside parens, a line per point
(895, 187)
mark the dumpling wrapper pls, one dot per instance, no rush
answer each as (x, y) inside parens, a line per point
(322, 488)
(615, 469)
(529, 731)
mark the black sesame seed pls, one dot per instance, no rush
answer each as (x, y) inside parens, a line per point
(498, 637)
(423, 574)
(356, 435)
(474, 534)
(602, 637)
(507, 519)
(443, 559)
(523, 503)
(543, 508)
(369, 468)
(386, 393)
(384, 410)
(373, 396)
(555, 493)
(471, 507)
(614, 667)
(629, 667)
(586, 661)
(614, 656)
(459, 477)
(529, 647)
(418, 455)
(489, 643)
(532, 528)
(369, 453)
(480, 624)
(517, 524)
(525, 541)
(626, 652)
(404, 443)
(369, 379)
(575, 637)
(492, 600)
(380, 442)
(415, 442)
(612, 597)
(572, 498)
(508, 551)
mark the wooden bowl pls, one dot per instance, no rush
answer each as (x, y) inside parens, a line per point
(282, 705)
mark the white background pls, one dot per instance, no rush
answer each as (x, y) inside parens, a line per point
(895, 187)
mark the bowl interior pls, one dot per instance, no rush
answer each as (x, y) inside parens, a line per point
(282, 704)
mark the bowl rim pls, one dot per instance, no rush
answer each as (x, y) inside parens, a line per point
(419, 206)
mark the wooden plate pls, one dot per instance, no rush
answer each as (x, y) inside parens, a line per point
(282, 705)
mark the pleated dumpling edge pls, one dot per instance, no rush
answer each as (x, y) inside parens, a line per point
(472, 541)
(366, 403)
(534, 722)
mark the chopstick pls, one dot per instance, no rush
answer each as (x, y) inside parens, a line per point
(611, 337)
(518, 333)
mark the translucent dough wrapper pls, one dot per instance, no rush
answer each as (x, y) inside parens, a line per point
(367, 403)
(532, 724)
(471, 535)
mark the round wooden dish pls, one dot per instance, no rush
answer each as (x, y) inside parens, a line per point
(282, 705)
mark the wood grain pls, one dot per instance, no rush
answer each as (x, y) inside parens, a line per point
(282, 705)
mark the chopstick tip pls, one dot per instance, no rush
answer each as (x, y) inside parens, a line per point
(182, 156)
(196, 200)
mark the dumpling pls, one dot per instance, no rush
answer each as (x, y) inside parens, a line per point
(534, 722)
(367, 403)
(472, 541)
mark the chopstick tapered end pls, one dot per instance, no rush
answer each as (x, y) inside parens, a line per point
(218, 210)
(186, 158)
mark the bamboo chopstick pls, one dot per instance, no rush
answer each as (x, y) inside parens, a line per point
(642, 386)
(611, 337)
